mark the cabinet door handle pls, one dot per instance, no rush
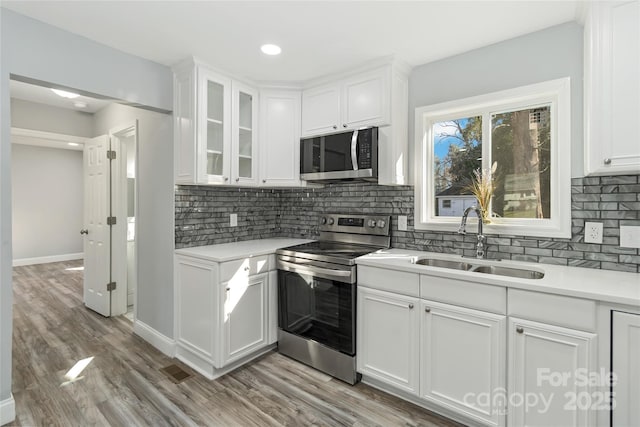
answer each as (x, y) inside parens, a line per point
(519, 329)
(228, 289)
(237, 179)
(344, 125)
(410, 306)
(246, 269)
(85, 231)
(226, 178)
(264, 181)
(607, 161)
(335, 126)
(427, 310)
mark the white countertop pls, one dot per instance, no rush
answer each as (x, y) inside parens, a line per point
(236, 250)
(602, 285)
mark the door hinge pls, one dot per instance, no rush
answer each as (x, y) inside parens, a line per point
(111, 220)
(111, 154)
(111, 286)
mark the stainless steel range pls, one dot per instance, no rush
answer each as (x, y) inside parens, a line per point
(317, 292)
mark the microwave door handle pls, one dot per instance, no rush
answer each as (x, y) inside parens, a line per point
(354, 150)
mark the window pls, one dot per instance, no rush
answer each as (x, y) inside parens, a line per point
(524, 133)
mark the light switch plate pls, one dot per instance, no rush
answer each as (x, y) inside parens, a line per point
(593, 232)
(630, 236)
(233, 220)
(402, 222)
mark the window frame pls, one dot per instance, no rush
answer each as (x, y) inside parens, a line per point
(556, 94)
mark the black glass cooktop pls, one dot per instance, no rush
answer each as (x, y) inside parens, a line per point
(332, 249)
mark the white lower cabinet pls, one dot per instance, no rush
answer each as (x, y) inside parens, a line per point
(462, 361)
(545, 365)
(223, 312)
(244, 318)
(388, 336)
(625, 349)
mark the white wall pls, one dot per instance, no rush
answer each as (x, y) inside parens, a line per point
(544, 55)
(36, 50)
(155, 215)
(47, 201)
(31, 115)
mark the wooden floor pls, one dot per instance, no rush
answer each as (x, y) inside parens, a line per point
(123, 384)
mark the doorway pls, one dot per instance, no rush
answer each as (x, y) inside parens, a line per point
(38, 115)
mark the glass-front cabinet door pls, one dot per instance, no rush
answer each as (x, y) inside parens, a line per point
(214, 128)
(244, 137)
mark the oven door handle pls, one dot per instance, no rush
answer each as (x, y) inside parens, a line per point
(326, 273)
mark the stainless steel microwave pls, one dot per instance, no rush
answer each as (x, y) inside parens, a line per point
(340, 156)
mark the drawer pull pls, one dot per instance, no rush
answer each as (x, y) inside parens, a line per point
(519, 329)
(607, 161)
(410, 306)
(427, 310)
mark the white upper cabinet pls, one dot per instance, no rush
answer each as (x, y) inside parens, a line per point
(365, 100)
(321, 110)
(245, 136)
(361, 100)
(215, 128)
(280, 138)
(213, 140)
(612, 88)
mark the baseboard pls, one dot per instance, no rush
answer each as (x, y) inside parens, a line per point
(47, 259)
(163, 343)
(7, 410)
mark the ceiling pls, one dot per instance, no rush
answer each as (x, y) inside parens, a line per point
(317, 37)
(43, 95)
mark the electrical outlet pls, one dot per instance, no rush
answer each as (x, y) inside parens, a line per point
(630, 236)
(402, 222)
(233, 220)
(593, 232)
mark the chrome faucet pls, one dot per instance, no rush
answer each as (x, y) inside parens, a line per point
(480, 246)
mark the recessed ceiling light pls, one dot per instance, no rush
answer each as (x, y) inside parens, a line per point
(65, 94)
(270, 49)
(73, 144)
(80, 104)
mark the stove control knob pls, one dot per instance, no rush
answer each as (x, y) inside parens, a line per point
(381, 223)
(371, 223)
(330, 221)
(323, 220)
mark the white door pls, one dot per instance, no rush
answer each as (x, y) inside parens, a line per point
(544, 361)
(97, 239)
(625, 348)
(388, 336)
(462, 361)
(245, 316)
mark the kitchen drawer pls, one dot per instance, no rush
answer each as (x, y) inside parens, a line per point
(399, 282)
(569, 312)
(465, 294)
(246, 266)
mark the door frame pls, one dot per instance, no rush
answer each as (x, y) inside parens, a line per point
(119, 269)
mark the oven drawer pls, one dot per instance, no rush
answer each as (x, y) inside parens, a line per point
(246, 266)
(399, 282)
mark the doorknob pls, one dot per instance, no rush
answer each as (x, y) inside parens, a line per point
(85, 231)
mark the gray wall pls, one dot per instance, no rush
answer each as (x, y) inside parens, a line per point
(47, 201)
(36, 50)
(154, 223)
(544, 55)
(35, 116)
(202, 218)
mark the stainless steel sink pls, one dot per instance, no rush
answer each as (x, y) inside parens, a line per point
(506, 271)
(442, 263)
(484, 269)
